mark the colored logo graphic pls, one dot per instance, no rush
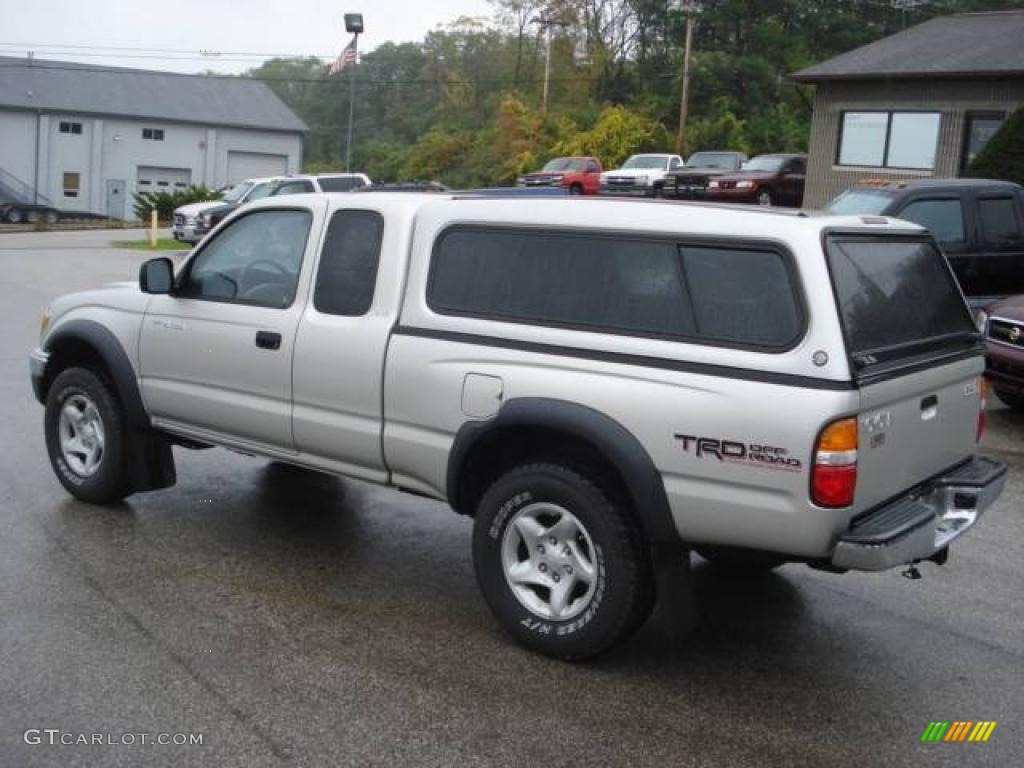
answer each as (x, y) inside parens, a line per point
(959, 730)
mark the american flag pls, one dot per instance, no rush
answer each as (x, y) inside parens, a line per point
(346, 57)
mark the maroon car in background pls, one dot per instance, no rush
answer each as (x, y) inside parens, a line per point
(1003, 323)
(763, 180)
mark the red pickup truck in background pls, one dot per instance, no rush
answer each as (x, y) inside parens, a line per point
(580, 175)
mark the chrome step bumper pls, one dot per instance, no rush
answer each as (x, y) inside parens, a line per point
(924, 522)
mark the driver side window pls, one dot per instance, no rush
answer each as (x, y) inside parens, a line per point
(254, 260)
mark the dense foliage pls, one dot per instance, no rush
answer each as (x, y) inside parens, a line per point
(166, 202)
(464, 106)
(1003, 156)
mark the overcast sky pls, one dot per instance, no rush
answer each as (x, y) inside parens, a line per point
(312, 27)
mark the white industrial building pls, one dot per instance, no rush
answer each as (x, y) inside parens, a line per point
(83, 138)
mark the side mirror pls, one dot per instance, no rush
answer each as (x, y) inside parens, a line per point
(157, 276)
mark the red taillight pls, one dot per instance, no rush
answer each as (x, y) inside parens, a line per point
(834, 476)
(983, 401)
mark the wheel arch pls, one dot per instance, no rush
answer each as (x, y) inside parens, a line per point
(82, 341)
(523, 430)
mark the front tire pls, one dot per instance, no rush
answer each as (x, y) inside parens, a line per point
(561, 564)
(764, 198)
(85, 437)
(575, 189)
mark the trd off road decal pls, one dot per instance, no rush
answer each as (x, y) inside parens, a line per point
(751, 454)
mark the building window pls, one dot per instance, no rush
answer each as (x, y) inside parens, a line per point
(980, 127)
(889, 139)
(72, 183)
(156, 134)
(69, 127)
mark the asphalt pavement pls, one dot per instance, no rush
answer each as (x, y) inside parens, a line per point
(290, 618)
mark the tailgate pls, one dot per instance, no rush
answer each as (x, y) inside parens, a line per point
(914, 427)
(915, 354)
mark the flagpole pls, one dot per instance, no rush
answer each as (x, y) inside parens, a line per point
(351, 102)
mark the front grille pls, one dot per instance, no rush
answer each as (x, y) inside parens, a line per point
(697, 182)
(1006, 332)
(621, 181)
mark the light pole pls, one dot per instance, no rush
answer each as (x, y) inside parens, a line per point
(691, 9)
(546, 25)
(354, 25)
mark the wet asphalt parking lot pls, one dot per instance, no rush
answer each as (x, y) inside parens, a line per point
(298, 619)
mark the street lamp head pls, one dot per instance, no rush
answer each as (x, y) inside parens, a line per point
(354, 23)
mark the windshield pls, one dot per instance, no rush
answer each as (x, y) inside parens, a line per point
(565, 164)
(723, 160)
(894, 295)
(262, 190)
(861, 201)
(764, 163)
(237, 192)
(646, 162)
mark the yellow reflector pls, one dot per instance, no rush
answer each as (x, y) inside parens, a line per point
(839, 436)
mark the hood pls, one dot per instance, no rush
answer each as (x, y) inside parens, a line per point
(193, 209)
(1012, 308)
(700, 172)
(746, 176)
(634, 173)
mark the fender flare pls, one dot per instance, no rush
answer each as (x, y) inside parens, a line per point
(114, 358)
(614, 441)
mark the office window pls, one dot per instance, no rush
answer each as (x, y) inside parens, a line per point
(981, 126)
(72, 183)
(155, 134)
(889, 139)
(69, 127)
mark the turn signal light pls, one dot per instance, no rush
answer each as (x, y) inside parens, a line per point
(834, 476)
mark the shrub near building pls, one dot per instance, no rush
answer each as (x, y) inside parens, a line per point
(166, 202)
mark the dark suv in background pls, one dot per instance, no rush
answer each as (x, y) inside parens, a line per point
(691, 182)
(979, 224)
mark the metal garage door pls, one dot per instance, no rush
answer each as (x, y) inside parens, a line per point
(253, 165)
(153, 179)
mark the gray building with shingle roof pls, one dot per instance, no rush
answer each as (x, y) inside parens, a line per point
(83, 137)
(919, 103)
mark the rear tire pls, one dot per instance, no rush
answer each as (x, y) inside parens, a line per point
(1013, 400)
(562, 565)
(85, 437)
(740, 564)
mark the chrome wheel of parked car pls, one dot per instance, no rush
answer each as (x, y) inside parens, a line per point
(764, 197)
(50, 217)
(14, 216)
(548, 559)
(81, 435)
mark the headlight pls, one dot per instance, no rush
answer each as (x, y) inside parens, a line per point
(981, 320)
(521, 182)
(643, 181)
(44, 321)
(713, 185)
(208, 221)
(744, 185)
(604, 178)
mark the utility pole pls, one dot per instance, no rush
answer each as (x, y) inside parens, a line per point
(546, 25)
(353, 24)
(691, 9)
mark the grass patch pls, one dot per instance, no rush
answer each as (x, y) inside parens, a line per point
(162, 244)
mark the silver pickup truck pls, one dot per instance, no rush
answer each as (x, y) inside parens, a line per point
(604, 385)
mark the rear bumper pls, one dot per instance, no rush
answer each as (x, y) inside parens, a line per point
(924, 522)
